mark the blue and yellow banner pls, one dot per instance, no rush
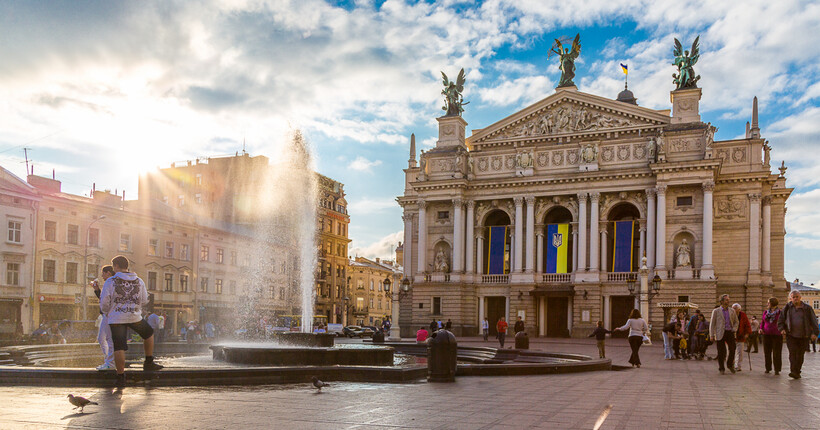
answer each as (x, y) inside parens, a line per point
(497, 240)
(557, 247)
(622, 247)
(625, 68)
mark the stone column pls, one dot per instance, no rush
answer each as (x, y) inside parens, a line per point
(479, 266)
(754, 232)
(458, 236)
(519, 234)
(604, 262)
(642, 244)
(767, 234)
(574, 226)
(408, 239)
(422, 252)
(650, 228)
(660, 238)
(470, 253)
(539, 244)
(530, 234)
(706, 252)
(582, 232)
(480, 314)
(594, 250)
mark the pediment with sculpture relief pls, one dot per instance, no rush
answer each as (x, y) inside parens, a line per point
(570, 113)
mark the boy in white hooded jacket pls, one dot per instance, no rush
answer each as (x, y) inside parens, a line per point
(122, 298)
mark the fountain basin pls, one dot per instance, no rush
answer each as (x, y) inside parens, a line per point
(313, 340)
(300, 356)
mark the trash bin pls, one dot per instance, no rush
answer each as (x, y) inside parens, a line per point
(522, 341)
(442, 351)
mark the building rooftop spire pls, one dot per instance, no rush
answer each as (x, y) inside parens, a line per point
(754, 132)
(412, 161)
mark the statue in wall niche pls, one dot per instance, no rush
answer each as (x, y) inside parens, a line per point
(423, 163)
(459, 164)
(453, 100)
(440, 263)
(568, 57)
(685, 60)
(652, 149)
(684, 255)
(767, 156)
(470, 167)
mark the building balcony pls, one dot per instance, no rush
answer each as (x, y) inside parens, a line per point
(361, 312)
(556, 278)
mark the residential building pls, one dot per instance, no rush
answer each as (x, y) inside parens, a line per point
(19, 203)
(369, 303)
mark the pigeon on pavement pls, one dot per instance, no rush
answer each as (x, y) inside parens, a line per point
(80, 402)
(319, 384)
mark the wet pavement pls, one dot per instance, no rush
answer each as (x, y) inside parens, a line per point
(662, 394)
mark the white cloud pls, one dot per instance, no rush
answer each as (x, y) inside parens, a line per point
(363, 164)
(370, 205)
(524, 90)
(383, 248)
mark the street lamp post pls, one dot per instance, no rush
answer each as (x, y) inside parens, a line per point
(85, 262)
(395, 330)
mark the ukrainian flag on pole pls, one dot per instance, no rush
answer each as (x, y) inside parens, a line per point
(625, 68)
(557, 247)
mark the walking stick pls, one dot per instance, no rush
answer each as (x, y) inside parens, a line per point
(749, 354)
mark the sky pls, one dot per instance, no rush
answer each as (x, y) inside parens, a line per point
(101, 91)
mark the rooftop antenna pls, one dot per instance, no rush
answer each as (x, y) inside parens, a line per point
(25, 151)
(243, 145)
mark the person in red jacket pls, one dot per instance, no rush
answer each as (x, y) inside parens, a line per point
(743, 331)
(501, 327)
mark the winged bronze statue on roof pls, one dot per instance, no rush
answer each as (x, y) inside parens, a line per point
(453, 100)
(685, 60)
(567, 57)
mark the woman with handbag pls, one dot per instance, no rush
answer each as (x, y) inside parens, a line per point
(772, 339)
(637, 333)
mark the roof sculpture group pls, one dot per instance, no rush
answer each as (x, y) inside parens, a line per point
(684, 79)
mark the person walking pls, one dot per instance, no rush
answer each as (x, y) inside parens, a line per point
(772, 339)
(104, 332)
(669, 334)
(600, 337)
(433, 326)
(501, 327)
(752, 341)
(449, 325)
(722, 328)
(637, 330)
(485, 327)
(743, 330)
(122, 299)
(701, 335)
(691, 328)
(519, 325)
(799, 324)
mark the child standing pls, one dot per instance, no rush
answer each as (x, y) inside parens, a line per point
(600, 335)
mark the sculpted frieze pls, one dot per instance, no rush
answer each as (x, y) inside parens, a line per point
(730, 207)
(567, 118)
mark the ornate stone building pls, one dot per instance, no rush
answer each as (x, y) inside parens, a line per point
(369, 302)
(546, 214)
(332, 239)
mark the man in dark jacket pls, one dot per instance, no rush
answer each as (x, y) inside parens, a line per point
(691, 327)
(519, 325)
(799, 324)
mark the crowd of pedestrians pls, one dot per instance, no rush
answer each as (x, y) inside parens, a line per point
(732, 332)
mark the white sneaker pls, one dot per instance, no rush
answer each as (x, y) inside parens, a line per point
(106, 366)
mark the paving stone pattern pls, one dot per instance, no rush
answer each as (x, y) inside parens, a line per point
(660, 395)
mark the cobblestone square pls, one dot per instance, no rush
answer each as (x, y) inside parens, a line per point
(660, 395)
